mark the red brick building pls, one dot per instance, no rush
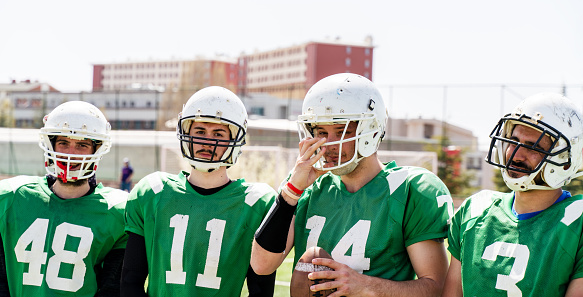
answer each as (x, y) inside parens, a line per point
(290, 72)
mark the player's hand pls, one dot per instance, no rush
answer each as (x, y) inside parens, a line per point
(345, 280)
(303, 173)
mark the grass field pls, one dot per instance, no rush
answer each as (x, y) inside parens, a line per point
(282, 278)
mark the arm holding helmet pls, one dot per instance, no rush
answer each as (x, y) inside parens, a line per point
(274, 238)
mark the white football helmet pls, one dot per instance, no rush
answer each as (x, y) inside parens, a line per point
(77, 120)
(213, 105)
(550, 114)
(340, 99)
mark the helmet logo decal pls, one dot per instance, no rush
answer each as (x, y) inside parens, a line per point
(566, 115)
(371, 105)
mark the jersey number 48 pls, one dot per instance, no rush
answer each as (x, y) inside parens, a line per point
(35, 237)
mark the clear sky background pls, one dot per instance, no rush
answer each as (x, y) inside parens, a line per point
(472, 47)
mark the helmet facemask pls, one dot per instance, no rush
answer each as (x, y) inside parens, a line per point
(365, 140)
(555, 158)
(75, 120)
(215, 105)
(228, 158)
(341, 99)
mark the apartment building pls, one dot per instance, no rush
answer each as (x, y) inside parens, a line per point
(289, 72)
(284, 72)
(172, 74)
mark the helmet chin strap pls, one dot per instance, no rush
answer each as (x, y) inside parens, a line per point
(204, 167)
(524, 183)
(347, 168)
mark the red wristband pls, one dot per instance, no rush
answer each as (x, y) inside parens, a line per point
(294, 189)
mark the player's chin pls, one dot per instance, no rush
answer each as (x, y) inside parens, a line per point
(73, 182)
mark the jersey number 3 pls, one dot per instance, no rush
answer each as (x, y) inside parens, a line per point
(521, 254)
(35, 237)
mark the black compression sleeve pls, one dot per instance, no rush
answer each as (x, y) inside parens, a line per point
(272, 234)
(4, 291)
(108, 279)
(135, 267)
(260, 285)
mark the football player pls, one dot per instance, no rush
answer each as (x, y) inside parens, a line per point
(381, 223)
(63, 234)
(528, 242)
(191, 233)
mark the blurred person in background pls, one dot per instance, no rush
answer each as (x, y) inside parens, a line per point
(126, 175)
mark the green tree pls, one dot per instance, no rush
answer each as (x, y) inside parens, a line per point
(6, 113)
(449, 169)
(499, 181)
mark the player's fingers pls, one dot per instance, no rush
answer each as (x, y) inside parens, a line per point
(324, 274)
(306, 143)
(311, 150)
(328, 262)
(324, 286)
(317, 156)
(339, 292)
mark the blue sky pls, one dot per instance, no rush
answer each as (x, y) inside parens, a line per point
(473, 47)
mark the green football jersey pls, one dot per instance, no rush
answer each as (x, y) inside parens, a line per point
(54, 246)
(503, 256)
(369, 230)
(196, 245)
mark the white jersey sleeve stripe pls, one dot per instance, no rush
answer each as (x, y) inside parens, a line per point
(573, 212)
(480, 202)
(396, 179)
(255, 191)
(115, 197)
(446, 199)
(155, 182)
(18, 181)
